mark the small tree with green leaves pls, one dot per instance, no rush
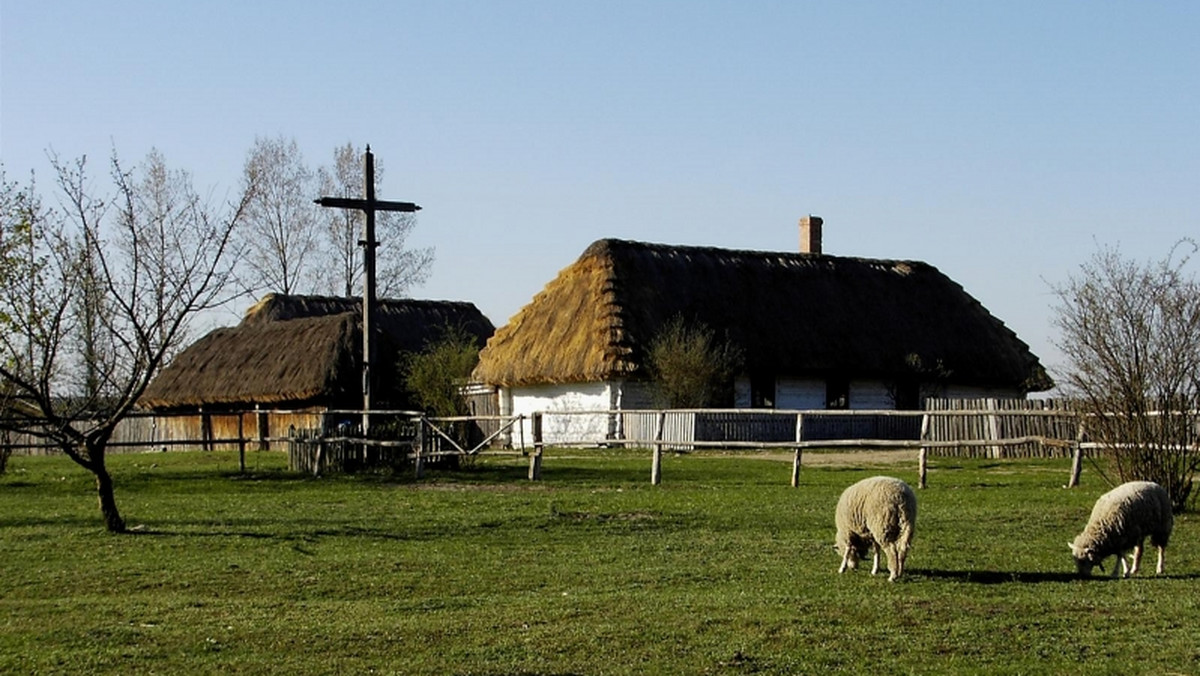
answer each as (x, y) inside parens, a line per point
(436, 376)
(690, 367)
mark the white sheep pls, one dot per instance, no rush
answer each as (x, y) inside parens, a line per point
(880, 513)
(1121, 521)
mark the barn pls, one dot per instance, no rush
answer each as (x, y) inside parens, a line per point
(301, 354)
(816, 331)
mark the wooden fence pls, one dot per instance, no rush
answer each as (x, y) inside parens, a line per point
(346, 451)
(1045, 427)
(330, 441)
(209, 431)
(979, 431)
(1048, 427)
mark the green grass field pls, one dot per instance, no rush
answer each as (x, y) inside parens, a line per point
(722, 569)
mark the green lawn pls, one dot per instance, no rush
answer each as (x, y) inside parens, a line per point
(722, 569)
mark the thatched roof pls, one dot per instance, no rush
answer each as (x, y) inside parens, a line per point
(304, 350)
(792, 314)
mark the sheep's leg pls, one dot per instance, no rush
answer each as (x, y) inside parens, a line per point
(1161, 553)
(894, 565)
(875, 559)
(1137, 560)
(1118, 565)
(845, 561)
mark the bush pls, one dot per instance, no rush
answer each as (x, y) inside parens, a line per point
(690, 367)
(435, 377)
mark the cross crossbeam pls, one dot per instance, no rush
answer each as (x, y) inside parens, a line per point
(364, 205)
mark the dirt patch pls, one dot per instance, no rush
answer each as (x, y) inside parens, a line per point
(860, 458)
(845, 458)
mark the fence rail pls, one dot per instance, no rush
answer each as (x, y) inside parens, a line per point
(318, 441)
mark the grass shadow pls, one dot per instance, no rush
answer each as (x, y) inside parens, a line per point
(997, 576)
(1031, 577)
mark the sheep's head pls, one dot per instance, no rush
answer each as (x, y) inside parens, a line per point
(858, 548)
(1086, 558)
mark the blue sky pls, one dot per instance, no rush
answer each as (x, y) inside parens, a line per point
(1000, 142)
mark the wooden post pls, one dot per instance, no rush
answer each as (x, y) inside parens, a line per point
(296, 453)
(535, 460)
(796, 455)
(656, 465)
(206, 433)
(1076, 466)
(263, 429)
(419, 458)
(923, 455)
(241, 444)
(1077, 457)
(656, 459)
(318, 456)
(923, 466)
(369, 206)
(993, 429)
(368, 308)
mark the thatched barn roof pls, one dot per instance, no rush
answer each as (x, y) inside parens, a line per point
(305, 350)
(791, 314)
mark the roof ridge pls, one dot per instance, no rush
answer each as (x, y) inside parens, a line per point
(603, 246)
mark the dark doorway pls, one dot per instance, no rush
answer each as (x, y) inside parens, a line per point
(837, 393)
(762, 391)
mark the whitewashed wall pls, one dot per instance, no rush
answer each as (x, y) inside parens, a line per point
(589, 427)
(548, 399)
(804, 394)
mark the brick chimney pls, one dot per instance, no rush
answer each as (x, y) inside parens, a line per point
(810, 234)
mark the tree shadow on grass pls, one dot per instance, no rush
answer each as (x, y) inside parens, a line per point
(313, 536)
(515, 474)
(74, 522)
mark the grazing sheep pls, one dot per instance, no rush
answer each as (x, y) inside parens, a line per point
(1120, 521)
(878, 512)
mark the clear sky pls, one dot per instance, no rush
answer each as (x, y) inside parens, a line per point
(1001, 142)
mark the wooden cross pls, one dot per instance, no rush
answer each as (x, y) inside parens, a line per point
(369, 205)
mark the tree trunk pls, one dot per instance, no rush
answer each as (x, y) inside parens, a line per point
(108, 501)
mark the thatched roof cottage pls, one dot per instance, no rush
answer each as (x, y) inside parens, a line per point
(305, 352)
(816, 331)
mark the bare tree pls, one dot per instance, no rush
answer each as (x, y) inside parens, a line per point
(1131, 336)
(281, 220)
(398, 268)
(123, 276)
